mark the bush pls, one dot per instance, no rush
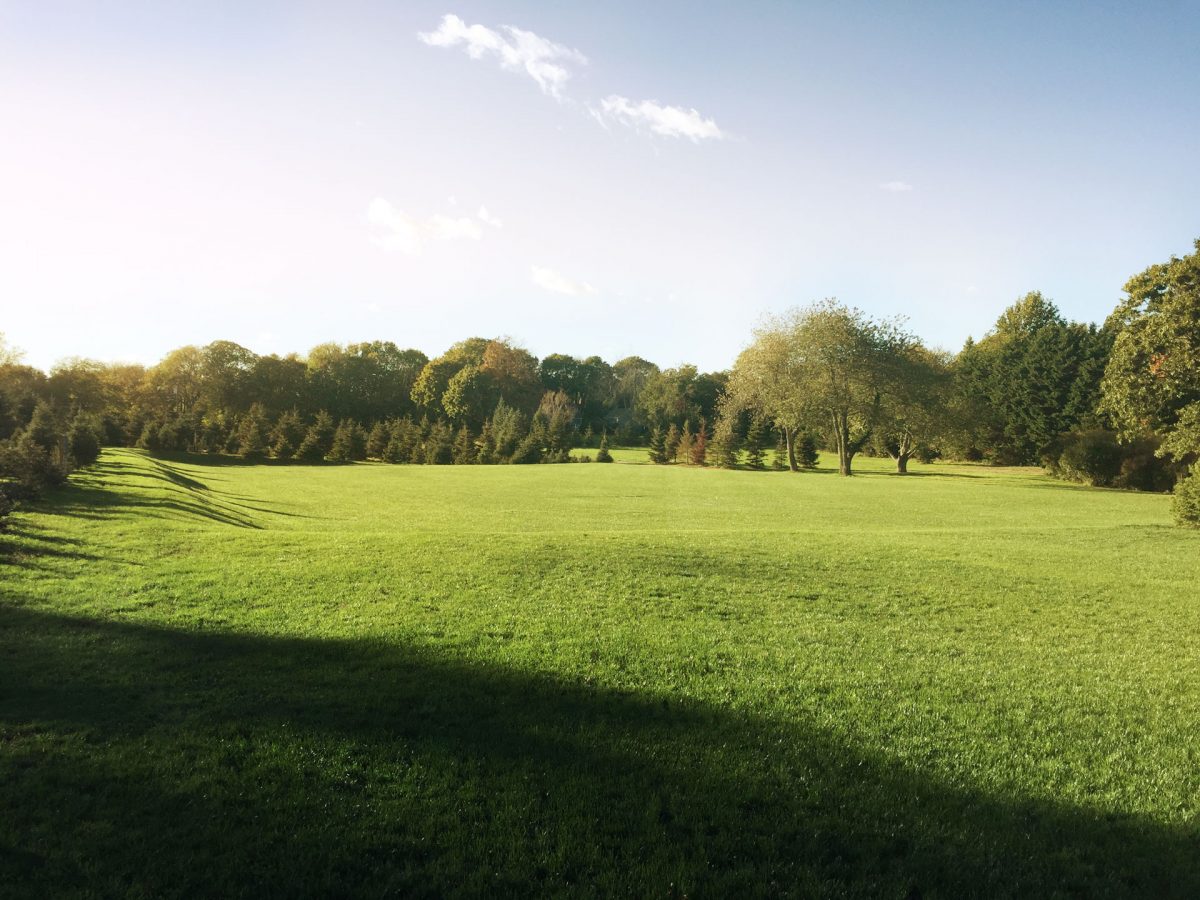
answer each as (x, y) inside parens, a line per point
(28, 468)
(1098, 458)
(6, 507)
(1091, 457)
(1186, 503)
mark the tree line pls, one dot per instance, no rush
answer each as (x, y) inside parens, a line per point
(1116, 404)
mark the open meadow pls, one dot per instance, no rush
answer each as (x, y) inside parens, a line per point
(272, 680)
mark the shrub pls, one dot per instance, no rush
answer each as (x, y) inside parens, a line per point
(28, 468)
(1091, 457)
(1097, 457)
(1186, 502)
(6, 507)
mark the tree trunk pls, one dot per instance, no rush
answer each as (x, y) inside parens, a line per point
(902, 464)
(841, 428)
(790, 436)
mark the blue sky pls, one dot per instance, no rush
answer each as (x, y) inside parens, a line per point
(615, 178)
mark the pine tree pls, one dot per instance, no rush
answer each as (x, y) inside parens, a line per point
(602, 455)
(671, 443)
(754, 445)
(439, 449)
(397, 449)
(725, 443)
(318, 440)
(528, 451)
(805, 447)
(342, 450)
(486, 445)
(377, 441)
(287, 435)
(658, 447)
(700, 445)
(683, 450)
(779, 460)
(252, 434)
(464, 447)
(83, 440)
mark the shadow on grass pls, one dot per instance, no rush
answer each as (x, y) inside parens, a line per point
(139, 760)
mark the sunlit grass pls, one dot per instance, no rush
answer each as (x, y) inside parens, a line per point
(284, 680)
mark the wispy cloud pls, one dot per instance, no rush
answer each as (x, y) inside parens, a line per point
(669, 121)
(398, 231)
(896, 187)
(515, 49)
(559, 284)
(487, 218)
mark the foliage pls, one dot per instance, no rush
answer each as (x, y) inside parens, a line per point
(805, 447)
(1186, 502)
(725, 443)
(602, 455)
(826, 366)
(83, 440)
(1152, 380)
(755, 445)
(1032, 378)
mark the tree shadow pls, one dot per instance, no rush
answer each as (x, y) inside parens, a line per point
(140, 760)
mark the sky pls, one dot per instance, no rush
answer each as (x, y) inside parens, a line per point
(608, 178)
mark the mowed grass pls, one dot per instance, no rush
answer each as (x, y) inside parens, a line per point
(218, 679)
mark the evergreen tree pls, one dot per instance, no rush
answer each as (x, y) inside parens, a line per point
(700, 445)
(287, 435)
(252, 433)
(44, 429)
(398, 449)
(805, 446)
(346, 443)
(318, 440)
(464, 447)
(377, 440)
(683, 450)
(602, 455)
(658, 447)
(528, 451)
(83, 439)
(486, 445)
(671, 443)
(754, 445)
(725, 443)
(439, 449)
(779, 459)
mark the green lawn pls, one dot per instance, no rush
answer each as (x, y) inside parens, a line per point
(281, 681)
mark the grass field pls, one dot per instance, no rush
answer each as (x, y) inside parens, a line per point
(595, 680)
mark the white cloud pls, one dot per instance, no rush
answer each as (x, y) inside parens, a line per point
(406, 234)
(896, 187)
(558, 284)
(487, 218)
(670, 121)
(516, 50)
